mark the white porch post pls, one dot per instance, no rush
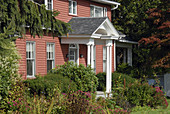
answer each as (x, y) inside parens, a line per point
(88, 54)
(107, 71)
(90, 45)
(92, 65)
(77, 54)
(114, 55)
(109, 66)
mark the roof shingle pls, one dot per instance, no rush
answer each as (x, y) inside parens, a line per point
(85, 25)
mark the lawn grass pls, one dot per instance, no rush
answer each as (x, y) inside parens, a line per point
(155, 111)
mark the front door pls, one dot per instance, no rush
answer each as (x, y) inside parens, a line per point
(72, 55)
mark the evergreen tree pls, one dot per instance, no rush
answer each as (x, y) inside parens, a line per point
(16, 15)
(130, 18)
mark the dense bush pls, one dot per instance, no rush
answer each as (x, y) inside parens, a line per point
(102, 81)
(124, 68)
(46, 84)
(121, 77)
(84, 77)
(115, 76)
(8, 73)
(142, 94)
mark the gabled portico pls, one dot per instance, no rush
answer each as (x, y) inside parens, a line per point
(99, 36)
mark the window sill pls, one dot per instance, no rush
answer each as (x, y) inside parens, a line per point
(70, 14)
(31, 77)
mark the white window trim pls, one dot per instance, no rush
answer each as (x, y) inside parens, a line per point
(46, 4)
(72, 7)
(53, 66)
(103, 9)
(34, 69)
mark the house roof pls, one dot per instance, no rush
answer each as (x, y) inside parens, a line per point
(95, 27)
(85, 25)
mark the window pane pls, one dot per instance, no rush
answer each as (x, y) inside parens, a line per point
(92, 11)
(71, 52)
(29, 67)
(105, 12)
(49, 65)
(39, 1)
(32, 55)
(121, 55)
(49, 4)
(74, 7)
(71, 57)
(104, 65)
(27, 54)
(50, 56)
(98, 12)
(27, 47)
(104, 53)
(70, 6)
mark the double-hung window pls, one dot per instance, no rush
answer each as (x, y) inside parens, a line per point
(30, 55)
(50, 56)
(72, 7)
(96, 11)
(48, 3)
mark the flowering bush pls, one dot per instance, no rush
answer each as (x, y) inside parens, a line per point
(142, 94)
(159, 98)
(8, 74)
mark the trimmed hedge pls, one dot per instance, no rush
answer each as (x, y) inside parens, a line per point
(46, 85)
(115, 76)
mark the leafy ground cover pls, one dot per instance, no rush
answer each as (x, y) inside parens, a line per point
(147, 110)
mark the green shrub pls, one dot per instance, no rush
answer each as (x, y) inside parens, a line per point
(115, 76)
(139, 94)
(124, 68)
(8, 73)
(102, 81)
(84, 77)
(142, 94)
(121, 77)
(46, 84)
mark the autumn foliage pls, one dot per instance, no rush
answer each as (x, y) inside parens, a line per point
(159, 41)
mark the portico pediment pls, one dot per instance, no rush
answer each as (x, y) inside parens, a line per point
(92, 27)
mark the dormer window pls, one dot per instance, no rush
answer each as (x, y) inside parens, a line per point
(48, 3)
(96, 11)
(72, 7)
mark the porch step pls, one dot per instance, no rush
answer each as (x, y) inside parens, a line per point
(102, 94)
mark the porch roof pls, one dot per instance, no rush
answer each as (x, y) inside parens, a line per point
(85, 25)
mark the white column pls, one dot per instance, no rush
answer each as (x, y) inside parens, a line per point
(77, 54)
(88, 54)
(110, 82)
(114, 55)
(92, 65)
(108, 88)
